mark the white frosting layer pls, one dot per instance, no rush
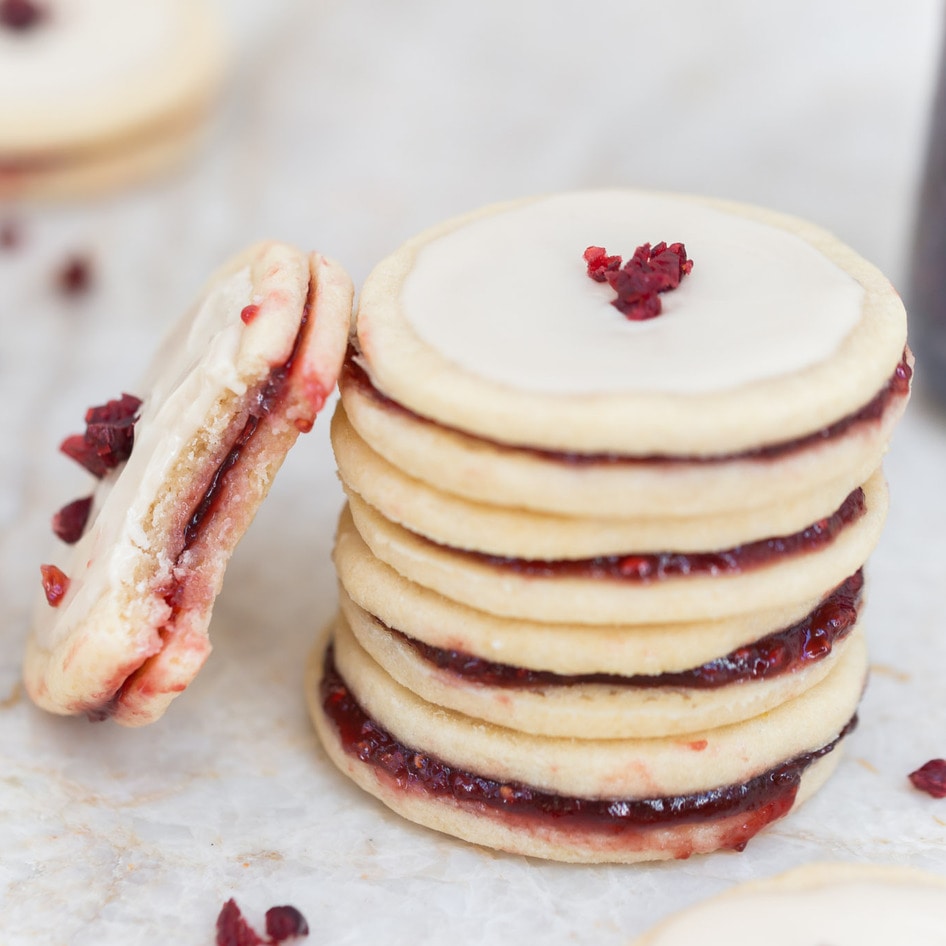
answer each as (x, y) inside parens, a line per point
(84, 47)
(862, 913)
(507, 297)
(195, 365)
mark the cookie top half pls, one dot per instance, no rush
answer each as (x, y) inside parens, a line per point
(490, 324)
(85, 72)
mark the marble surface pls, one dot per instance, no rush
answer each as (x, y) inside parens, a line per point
(346, 127)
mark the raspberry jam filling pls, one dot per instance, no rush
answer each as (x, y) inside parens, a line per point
(897, 386)
(785, 651)
(755, 803)
(662, 565)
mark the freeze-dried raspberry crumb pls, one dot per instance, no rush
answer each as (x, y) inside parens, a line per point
(283, 923)
(232, 928)
(75, 276)
(931, 778)
(55, 584)
(11, 235)
(108, 438)
(650, 271)
(20, 15)
(248, 313)
(69, 522)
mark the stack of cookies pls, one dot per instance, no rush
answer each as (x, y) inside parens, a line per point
(601, 564)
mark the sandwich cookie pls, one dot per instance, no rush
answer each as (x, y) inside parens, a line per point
(181, 467)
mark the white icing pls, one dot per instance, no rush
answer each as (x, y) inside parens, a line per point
(860, 913)
(195, 365)
(82, 48)
(507, 298)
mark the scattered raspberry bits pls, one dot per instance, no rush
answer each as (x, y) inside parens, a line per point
(282, 924)
(638, 282)
(75, 276)
(69, 523)
(248, 313)
(55, 584)
(931, 778)
(108, 438)
(11, 235)
(21, 15)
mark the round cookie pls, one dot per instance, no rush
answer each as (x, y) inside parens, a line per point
(565, 648)
(529, 533)
(123, 627)
(614, 800)
(546, 594)
(98, 93)
(614, 485)
(585, 709)
(841, 904)
(778, 332)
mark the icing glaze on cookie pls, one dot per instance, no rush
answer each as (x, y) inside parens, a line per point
(506, 297)
(83, 47)
(197, 361)
(857, 910)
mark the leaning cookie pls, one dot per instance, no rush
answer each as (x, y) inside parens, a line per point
(182, 468)
(841, 904)
(95, 95)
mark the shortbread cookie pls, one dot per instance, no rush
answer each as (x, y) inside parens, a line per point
(563, 648)
(451, 520)
(620, 485)
(841, 904)
(620, 800)
(182, 468)
(97, 93)
(731, 688)
(778, 333)
(640, 588)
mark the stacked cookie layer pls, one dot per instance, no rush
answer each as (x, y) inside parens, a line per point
(601, 580)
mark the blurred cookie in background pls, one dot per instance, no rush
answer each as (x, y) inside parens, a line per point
(99, 94)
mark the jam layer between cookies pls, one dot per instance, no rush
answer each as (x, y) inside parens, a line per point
(752, 804)
(784, 651)
(895, 388)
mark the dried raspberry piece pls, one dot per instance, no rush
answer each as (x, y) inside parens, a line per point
(20, 15)
(283, 923)
(11, 235)
(74, 277)
(651, 270)
(232, 928)
(55, 584)
(69, 522)
(248, 313)
(108, 438)
(931, 778)
(600, 263)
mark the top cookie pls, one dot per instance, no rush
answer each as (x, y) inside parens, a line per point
(490, 324)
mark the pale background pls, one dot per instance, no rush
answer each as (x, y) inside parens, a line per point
(346, 127)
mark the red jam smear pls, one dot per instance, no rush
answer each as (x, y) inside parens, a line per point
(663, 565)
(785, 651)
(760, 800)
(897, 386)
(931, 778)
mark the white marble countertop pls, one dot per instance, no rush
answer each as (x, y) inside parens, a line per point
(345, 128)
